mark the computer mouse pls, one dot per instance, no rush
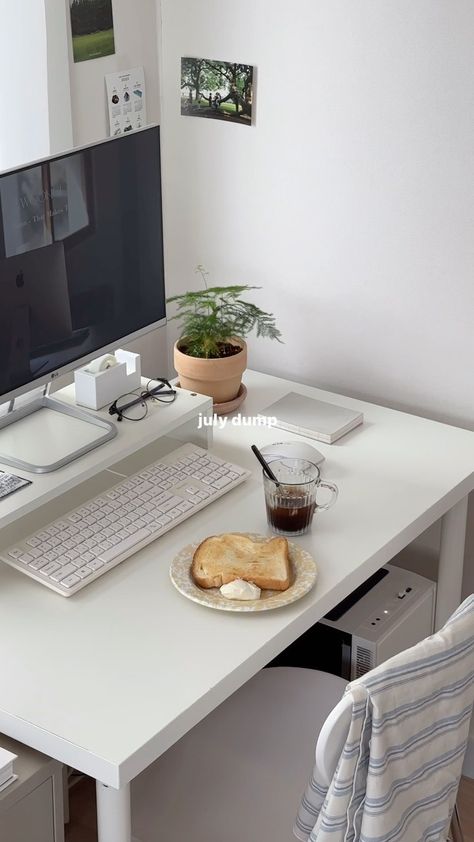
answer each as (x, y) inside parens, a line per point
(293, 449)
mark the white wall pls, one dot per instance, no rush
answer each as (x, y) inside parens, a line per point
(351, 199)
(24, 133)
(59, 88)
(137, 32)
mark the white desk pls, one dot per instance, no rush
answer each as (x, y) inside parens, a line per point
(107, 680)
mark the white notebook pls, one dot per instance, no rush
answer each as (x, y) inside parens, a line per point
(313, 418)
(6, 767)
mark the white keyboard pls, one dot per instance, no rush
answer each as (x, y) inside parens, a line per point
(85, 543)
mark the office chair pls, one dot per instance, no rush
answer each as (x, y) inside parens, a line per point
(239, 775)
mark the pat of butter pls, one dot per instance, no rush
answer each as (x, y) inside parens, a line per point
(239, 589)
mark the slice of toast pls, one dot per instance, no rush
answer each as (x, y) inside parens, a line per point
(222, 558)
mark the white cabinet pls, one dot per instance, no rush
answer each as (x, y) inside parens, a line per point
(31, 809)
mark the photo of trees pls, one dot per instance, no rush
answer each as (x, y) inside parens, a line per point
(220, 90)
(92, 28)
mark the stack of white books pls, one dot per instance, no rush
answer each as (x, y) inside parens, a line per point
(7, 775)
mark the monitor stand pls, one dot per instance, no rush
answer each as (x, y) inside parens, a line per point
(45, 434)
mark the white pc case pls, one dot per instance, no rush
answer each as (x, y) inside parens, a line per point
(394, 614)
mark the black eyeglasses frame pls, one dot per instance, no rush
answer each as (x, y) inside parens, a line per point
(143, 396)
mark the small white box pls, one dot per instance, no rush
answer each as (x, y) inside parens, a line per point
(96, 389)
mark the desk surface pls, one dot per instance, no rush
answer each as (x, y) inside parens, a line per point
(107, 680)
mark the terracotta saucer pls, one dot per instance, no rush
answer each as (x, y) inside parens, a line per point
(229, 406)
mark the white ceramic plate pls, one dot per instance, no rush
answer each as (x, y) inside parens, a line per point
(304, 577)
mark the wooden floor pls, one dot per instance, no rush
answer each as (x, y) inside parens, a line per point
(82, 826)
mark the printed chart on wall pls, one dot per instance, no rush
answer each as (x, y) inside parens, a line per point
(126, 100)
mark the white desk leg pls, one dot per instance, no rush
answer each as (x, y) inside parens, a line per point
(113, 813)
(451, 561)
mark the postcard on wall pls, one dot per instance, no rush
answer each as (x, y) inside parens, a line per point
(220, 90)
(126, 99)
(92, 27)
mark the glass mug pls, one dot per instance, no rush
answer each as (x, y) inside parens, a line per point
(291, 502)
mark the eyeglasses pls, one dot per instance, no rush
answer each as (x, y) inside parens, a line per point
(134, 407)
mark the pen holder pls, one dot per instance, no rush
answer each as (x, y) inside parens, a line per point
(95, 388)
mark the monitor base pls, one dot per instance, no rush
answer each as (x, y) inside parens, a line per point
(47, 434)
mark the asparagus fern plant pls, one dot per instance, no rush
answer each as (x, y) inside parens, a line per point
(210, 317)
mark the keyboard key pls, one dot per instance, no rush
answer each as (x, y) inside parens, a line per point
(96, 564)
(70, 581)
(141, 487)
(83, 572)
(63, 572)
(132, 541)
(130, 529)
(185, 506)
(16, 553)
(221, 482)
(52, 530)
(194, 499)
(39, 563)
(106, 545)
(165, 505)
(47, 569)
(174, 513)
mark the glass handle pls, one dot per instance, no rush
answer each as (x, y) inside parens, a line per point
(335, 491)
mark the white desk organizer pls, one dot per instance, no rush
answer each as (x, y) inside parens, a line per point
(103, 380)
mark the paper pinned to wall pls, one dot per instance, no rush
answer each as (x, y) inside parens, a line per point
(126, 100)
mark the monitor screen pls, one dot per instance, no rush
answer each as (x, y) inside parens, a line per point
(81, 256)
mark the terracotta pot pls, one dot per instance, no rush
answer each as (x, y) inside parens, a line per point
(220, 379)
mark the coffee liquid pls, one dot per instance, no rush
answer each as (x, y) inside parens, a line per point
(291, 517)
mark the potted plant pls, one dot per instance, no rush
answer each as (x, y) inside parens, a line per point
(211, 354)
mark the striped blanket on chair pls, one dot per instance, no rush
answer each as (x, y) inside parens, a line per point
(398, 775)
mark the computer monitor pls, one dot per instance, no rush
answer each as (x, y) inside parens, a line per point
(81, 258)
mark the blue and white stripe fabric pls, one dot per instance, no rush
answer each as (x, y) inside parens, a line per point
(398, 775)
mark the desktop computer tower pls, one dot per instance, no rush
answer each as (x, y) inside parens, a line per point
(391, 611)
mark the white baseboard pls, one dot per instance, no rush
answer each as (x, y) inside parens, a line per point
(468, 768)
